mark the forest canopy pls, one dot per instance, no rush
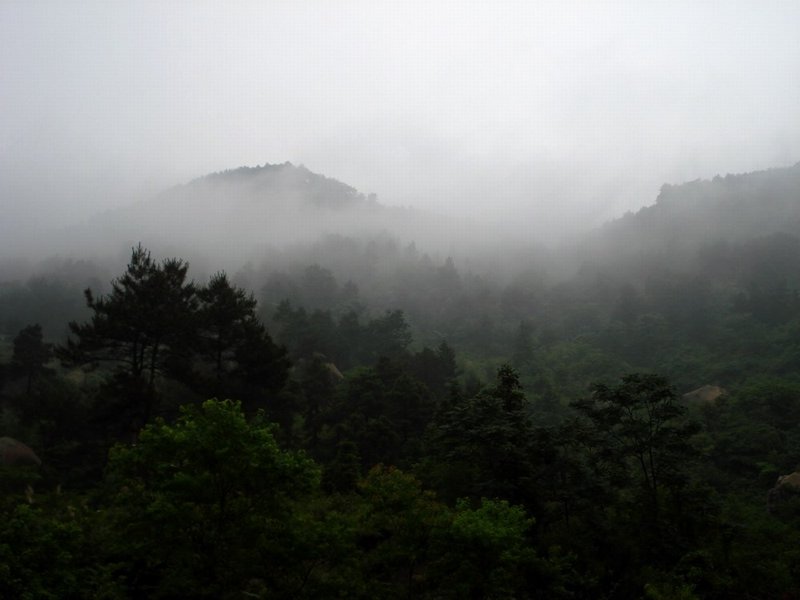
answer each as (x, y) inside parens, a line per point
(368, 420)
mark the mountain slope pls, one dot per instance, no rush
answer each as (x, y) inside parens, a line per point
(242, 212)
(695, 216)
(277, 184)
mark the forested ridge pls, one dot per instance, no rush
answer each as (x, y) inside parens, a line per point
(356, 417)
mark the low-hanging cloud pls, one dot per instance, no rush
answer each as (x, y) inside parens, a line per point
(554, 114)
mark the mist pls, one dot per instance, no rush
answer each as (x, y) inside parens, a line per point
(358, 299)
(537, 120)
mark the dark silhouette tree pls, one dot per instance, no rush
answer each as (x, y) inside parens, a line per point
(225, 313)
(482, 446)
(145, 323)
(233, 341)
(259, 362)
(639, 422)
(435, 368)
(388, 335)
(31, 353)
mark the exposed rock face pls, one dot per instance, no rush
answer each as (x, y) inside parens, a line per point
(14, 453)
(334, 371)
(708, 394)
(786, 487)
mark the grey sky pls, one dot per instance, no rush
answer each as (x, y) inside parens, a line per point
(562, 112)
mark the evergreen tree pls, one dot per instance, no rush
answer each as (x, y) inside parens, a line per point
(30, 353)
(225, 312)
(144, 324)
(481, 446)
(233, 340)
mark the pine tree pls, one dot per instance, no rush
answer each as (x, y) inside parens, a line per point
(30, 353)
(144, 324)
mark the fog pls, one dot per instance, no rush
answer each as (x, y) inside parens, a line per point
(533, 119)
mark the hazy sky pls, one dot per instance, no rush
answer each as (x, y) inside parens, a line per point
(555, 112)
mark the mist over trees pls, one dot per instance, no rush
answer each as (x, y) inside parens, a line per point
(382, 301)
(361, 414)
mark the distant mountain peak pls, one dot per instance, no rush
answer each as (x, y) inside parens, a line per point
(272, 182)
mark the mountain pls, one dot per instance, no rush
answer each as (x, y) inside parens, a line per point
(699, 216)
(228, 218)
(248, 206)
(236, 215)
(277, 184)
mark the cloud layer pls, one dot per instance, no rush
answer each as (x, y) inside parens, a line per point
(545, 115)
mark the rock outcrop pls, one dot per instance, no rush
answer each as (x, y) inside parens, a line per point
(708, 394)
(787, 487)
(14, 453)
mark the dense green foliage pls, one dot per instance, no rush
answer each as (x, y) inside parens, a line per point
(417, 430)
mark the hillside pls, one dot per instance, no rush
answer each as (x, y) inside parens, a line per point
(236, 211)
(695, 217)
(276, 184)
(637, 425)
(246, 213)
(534, 390)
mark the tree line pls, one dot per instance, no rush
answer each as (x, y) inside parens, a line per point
(352, 463)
